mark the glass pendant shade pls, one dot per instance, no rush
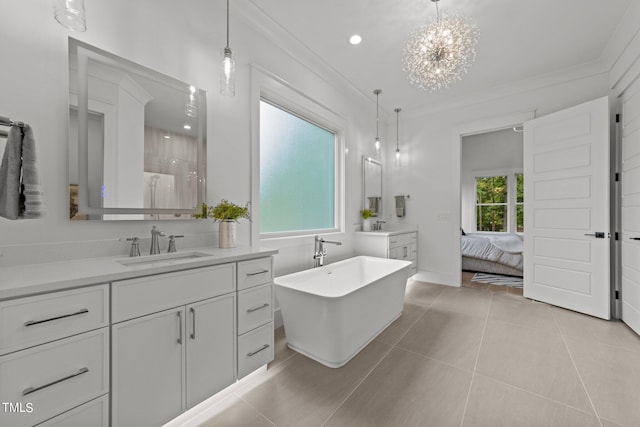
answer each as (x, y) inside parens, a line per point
(227, 73)
(377, 93)
(70, 14)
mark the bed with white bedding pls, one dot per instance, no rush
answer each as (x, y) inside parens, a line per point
(498, 253)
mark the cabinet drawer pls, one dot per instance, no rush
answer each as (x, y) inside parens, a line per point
(401, 252)
(94, 414)
(400, 240)
(255, 307)
(25, 322)
(55, 377)
(254, 272)
(150, 294)
(255, 349)
(414, 252)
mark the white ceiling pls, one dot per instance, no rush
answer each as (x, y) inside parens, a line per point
(519, 40)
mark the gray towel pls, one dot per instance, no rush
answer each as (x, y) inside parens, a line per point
(10, 170)
(32, 191)
(20, 191)
(400, 206)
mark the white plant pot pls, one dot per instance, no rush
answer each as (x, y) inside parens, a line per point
(366, 224)
(227, 234)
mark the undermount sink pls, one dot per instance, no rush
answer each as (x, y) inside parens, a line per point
(162, 259)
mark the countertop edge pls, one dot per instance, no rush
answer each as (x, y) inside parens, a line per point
(44, 278)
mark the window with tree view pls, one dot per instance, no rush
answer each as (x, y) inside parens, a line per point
(491, 203)
(500, 203)
(519, 202)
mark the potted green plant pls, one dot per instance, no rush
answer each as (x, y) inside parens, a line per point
(227, 214)
(366, 215)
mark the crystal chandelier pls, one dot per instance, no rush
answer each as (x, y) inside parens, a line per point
(440, 52)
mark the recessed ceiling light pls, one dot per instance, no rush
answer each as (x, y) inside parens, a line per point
(187, 127)
(355, 39)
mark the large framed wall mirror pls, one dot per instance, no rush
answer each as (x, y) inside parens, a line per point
(137, 140)
(372, 185)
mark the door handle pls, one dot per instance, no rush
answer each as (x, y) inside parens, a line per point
(193, 323)
(180, 326)
(597, 234)
(634, 238)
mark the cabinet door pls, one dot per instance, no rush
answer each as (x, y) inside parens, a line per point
(148, 369)
(210, 337)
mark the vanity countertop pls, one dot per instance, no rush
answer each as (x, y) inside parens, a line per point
(32, 279)
(390, 231)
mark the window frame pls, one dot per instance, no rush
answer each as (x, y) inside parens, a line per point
(268, 87)
(511, 197)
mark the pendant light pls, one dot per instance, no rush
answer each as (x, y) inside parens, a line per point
(227, 67)
(377, 92)
(397, 110)
(70, 14)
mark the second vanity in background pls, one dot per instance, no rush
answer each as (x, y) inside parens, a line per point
(394, 244)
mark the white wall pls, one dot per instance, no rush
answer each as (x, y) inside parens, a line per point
(184, 42)
(488, 151)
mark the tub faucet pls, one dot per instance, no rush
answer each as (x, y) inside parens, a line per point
(320, 251)
(155, 244)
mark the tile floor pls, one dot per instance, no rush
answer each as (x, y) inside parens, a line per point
(457, 357)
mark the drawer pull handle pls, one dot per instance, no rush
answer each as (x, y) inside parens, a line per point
(180, 327)
(253, 353)
(258, 307)
(393, 242)
(405, 251)
(30, 390)
(257, 272)
(193, 324)
(37, 322)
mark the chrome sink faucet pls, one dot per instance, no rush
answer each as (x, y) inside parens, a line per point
(378, 224)
(320, 251)
(155, 244)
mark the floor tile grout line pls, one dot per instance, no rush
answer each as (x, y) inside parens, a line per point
(575, 366)
(256, 409)
(416, 321)
(541, 396)
(424, 356)
(391, 347)
(475, 366)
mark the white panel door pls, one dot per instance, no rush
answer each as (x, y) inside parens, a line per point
(631, 206)
(566, 169)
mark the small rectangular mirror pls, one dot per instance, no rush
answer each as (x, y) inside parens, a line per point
(372, 185)
(137, 140)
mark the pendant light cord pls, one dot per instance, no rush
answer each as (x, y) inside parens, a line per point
(377, 114)
(228, 23)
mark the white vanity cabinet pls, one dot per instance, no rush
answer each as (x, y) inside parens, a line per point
(54, 355)
(255, 314)
(389, 244)
(165, 362)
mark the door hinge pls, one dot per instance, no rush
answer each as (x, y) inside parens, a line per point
(617, 294)
(617, 177)
(617, 235)
(617, 118)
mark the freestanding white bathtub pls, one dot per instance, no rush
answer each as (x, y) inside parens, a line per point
(332, 312)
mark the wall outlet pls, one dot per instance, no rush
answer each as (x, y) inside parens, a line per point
(443, 216)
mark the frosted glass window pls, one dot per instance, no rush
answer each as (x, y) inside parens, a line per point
(297, 173)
